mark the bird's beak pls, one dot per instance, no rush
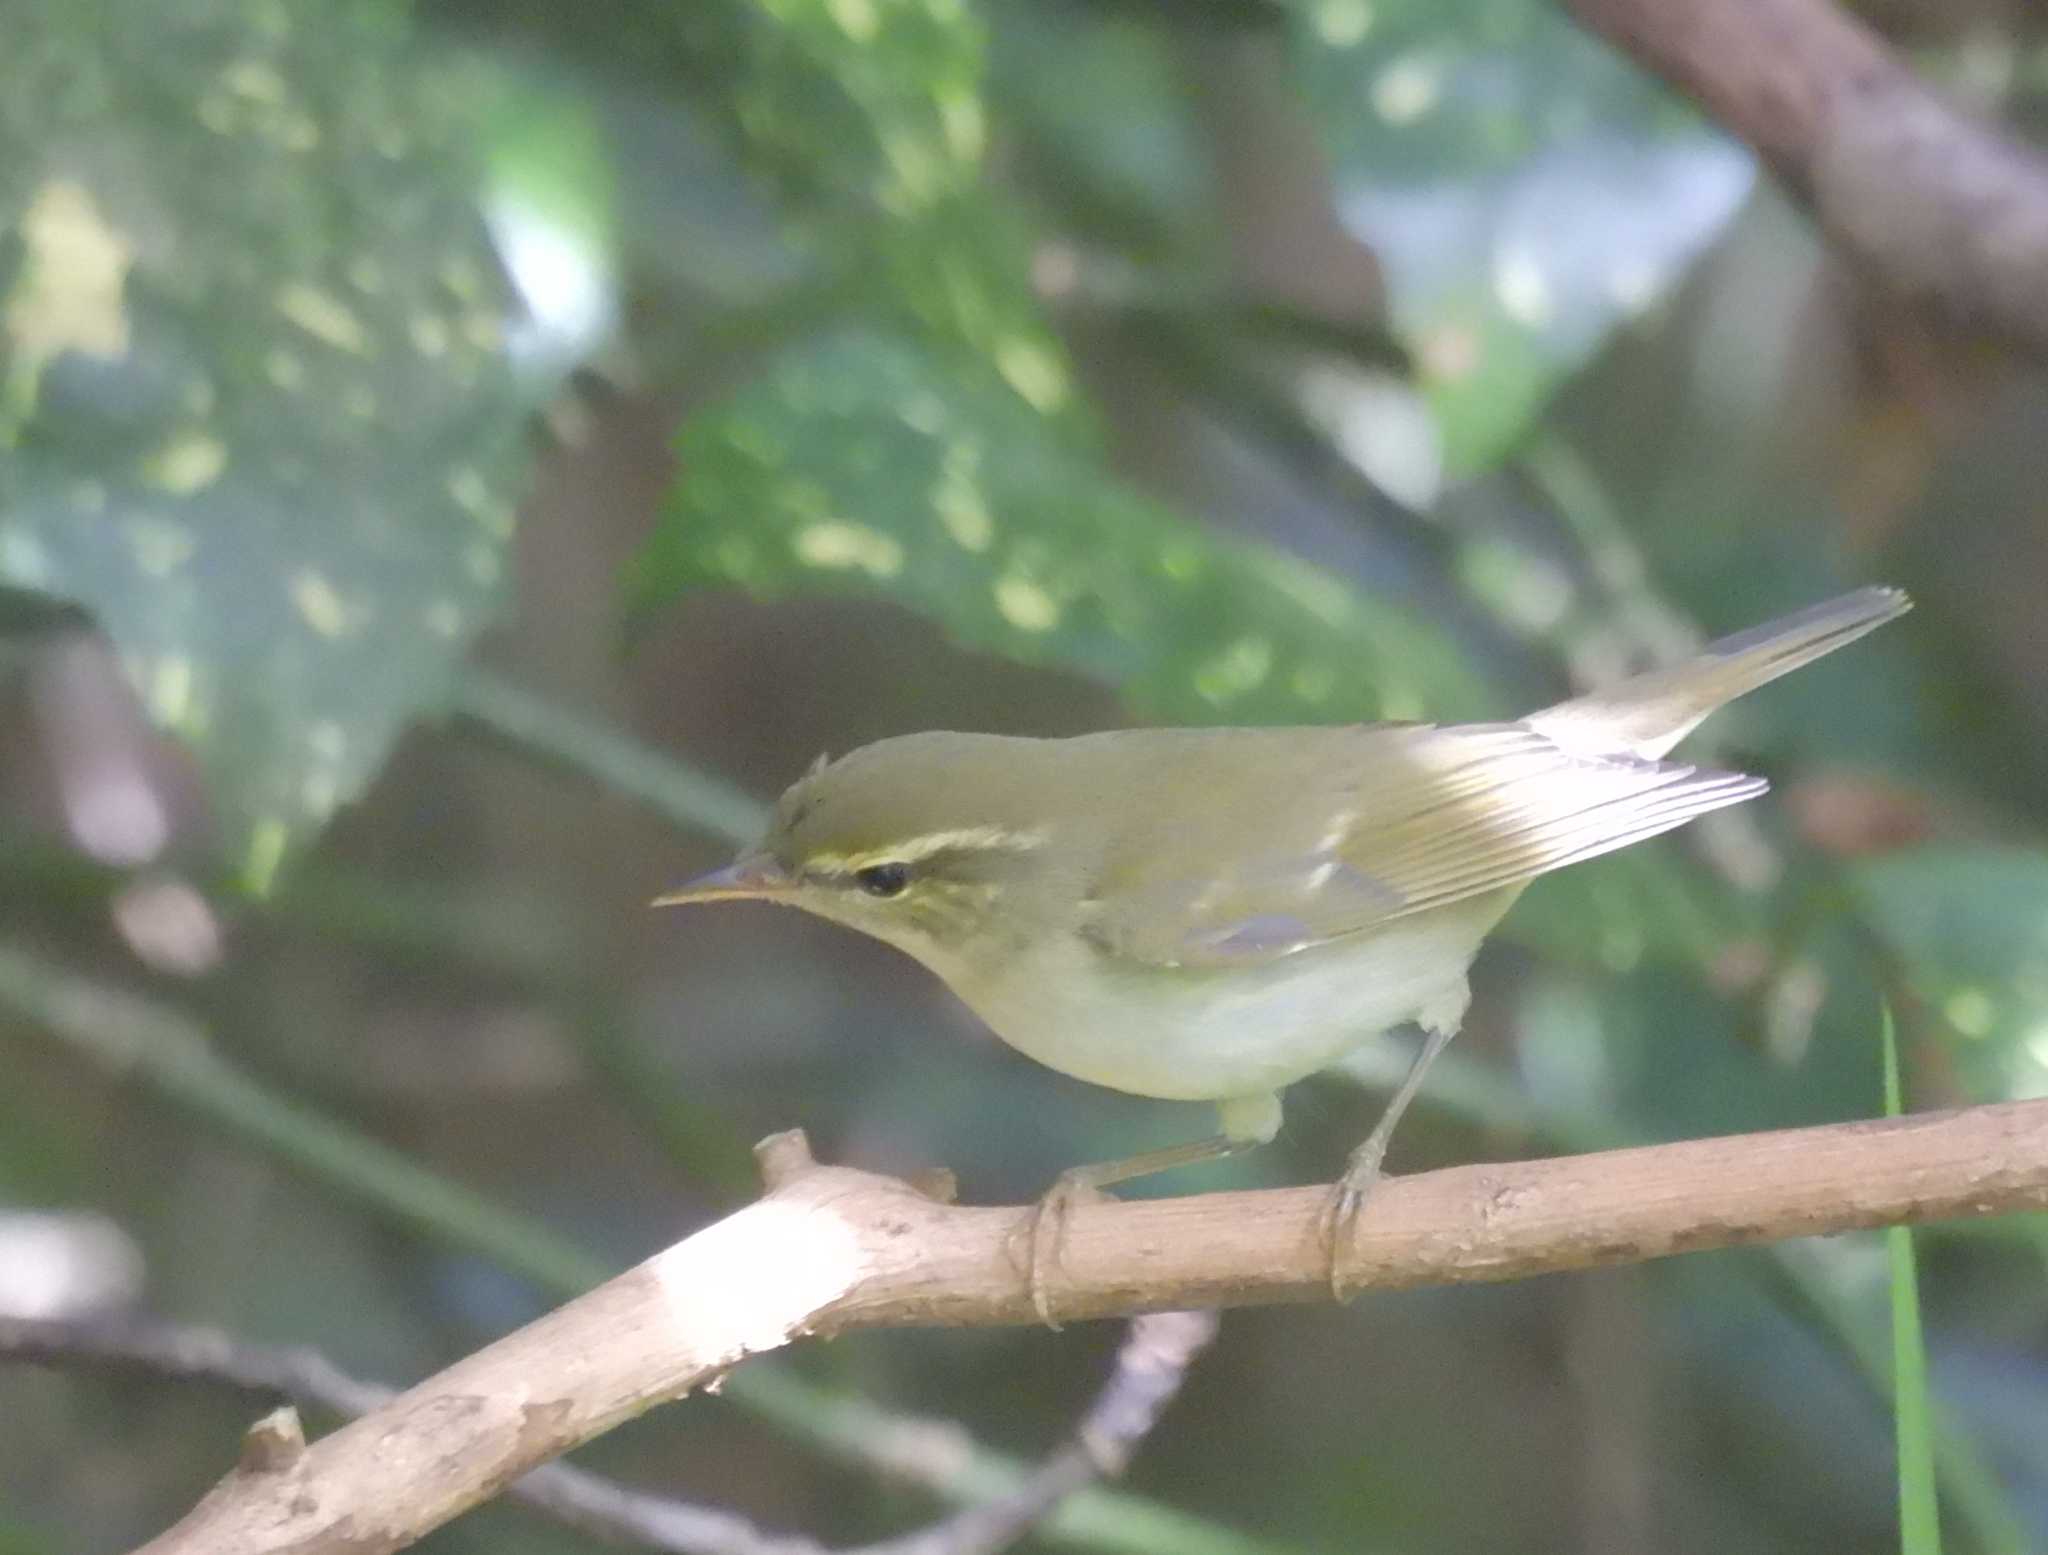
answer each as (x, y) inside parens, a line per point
(751, 875)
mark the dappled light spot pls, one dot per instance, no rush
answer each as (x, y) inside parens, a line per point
(321, 606)
(1971, 1011)
(1240, 668)
(1315, 591)
(855, 18)
(256, 80)
(921, 173)
(1030, 366)
(1408, 88)
(69, 295)
(267, 840)
(1342, 24)
(465, 282)
(322, 315)
(472, 493)
(737, 557)
(962, 122)
(1523, 289)
(443, 618)
(2028, 1075)
(430, 335)
(1025, 605)
(23, 559)
(167, 690)
(1312, 682)
(840, 545)
(162, 545)
(284, 369)
(751, 1280)
(921, 412)
(254, 99)
(1403, 702)
(483, 563)
(1635, 282)
(326, 739)
(959, 501)
(483, 331)
(1382, 425)
(189, 462)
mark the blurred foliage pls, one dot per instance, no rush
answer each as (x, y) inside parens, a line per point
(1970, 928)
(863, 463)
(981, 392)
(1526, 188)
(257, 411)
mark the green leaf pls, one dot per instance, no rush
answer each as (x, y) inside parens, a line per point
(1919, 1511)
(1527, 189)
(1970, 926)
(869, 465)
(872, 116)
(256, 413)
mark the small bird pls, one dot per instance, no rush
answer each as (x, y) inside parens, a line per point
(1213, 914)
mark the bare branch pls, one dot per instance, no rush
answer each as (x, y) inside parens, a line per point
(1937, 204)
(831, 1249)
(1149, 1369)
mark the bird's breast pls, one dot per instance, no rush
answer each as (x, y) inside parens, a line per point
(1204, 1034)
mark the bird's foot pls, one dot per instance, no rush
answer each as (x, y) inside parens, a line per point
(1045, 1234)
(1362, 1174)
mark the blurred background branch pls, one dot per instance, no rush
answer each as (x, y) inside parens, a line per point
(1940, 205)
(1149, 1366)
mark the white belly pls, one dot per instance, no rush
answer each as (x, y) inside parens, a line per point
(1191, 1034)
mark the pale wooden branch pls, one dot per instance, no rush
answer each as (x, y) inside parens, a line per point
(1936, 203)
(1150, 1366)
(830, 1249)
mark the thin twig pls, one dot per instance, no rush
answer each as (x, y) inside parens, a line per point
(1149, 1368)
(538, 728)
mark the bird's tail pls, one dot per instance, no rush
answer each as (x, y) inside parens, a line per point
(1650, 713)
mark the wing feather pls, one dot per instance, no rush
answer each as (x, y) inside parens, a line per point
(1429, 817)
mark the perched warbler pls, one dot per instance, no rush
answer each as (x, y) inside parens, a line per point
(1212, 914)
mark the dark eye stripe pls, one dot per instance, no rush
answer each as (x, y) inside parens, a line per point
(883, 879)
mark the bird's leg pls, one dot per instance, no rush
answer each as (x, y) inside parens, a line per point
(1362, 1171)
(1246, 1122)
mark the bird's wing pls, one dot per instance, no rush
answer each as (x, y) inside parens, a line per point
(1428, 817)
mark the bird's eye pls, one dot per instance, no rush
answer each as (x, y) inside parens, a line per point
(883, 879)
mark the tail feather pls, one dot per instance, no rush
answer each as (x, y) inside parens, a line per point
(1648, 714)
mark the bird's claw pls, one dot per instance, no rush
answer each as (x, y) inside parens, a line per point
(1346, 1203)
(1045, 1234)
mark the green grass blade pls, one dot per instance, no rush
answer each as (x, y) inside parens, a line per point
(1919, 1513)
